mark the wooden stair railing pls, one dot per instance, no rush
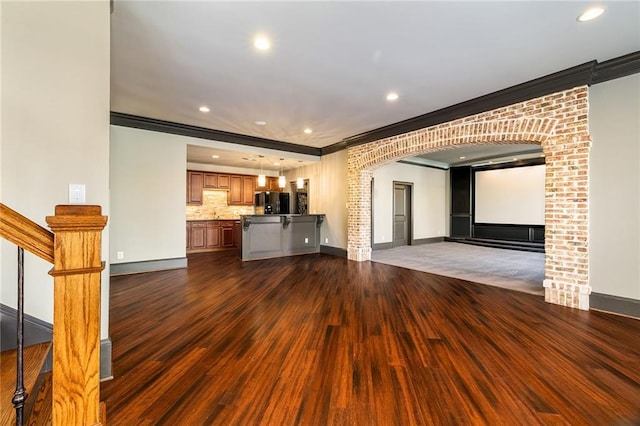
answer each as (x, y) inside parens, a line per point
(74, 249)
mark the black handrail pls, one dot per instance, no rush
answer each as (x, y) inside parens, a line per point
(20, 395)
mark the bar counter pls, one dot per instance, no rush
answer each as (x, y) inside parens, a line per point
(278, 235)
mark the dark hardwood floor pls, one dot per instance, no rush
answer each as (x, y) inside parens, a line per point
(320, 340)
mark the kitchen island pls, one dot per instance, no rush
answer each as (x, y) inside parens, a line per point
(277, 235)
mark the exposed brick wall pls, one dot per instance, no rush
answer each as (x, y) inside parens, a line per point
(559, 123)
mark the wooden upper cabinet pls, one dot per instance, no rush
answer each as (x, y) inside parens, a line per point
(240, 188)
(248, 190)
(195, 183)
(271, 184)
(211, 180)
(224, 181)
(235, 190)
(241, 191)
(263, 187)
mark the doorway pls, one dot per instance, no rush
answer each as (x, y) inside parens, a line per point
(402, 220)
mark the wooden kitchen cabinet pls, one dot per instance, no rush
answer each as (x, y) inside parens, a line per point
(195, 183)
(248, 190)
(241, 190)
(188, 236)
(237, 233)
(271, 184)
(216, 181)
(224, 181)
(235, 191)
(198, 236)
(226, 231)
(212, 235)
(210, 181)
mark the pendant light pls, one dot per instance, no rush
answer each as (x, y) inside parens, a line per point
(282, 180)
(262, 179)
(300, 183)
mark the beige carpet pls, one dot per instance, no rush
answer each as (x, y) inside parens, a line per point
(515, 270)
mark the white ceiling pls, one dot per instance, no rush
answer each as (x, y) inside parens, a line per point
(332, 63)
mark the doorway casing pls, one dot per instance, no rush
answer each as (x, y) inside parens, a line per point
(559, 124)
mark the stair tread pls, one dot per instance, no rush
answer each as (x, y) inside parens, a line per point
(34, 358)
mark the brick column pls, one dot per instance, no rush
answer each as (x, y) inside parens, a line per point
(567, 223)
(359, 216)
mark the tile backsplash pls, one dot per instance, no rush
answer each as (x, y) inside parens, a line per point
(214, 206)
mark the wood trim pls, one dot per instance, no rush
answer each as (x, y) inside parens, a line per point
(615, 304)
(617, 68)
(146, 123)
(335, 147)
(382, 246)
(586, 74)
(579, 75)
(429, 240)
(25, 233)
(116, 269)
(333, 251)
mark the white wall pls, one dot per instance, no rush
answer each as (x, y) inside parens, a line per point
(429, 200)
(328, 195)
(148, 195)
(148, 191)
(55, 126)
(614, 187)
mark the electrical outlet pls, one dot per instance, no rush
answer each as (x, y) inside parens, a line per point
(120, 255)
(306, 240)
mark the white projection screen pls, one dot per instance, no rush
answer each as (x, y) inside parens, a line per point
(510, 196)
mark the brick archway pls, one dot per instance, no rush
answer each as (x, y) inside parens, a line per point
(559, 123)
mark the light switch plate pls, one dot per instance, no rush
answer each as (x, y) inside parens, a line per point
(77, 193)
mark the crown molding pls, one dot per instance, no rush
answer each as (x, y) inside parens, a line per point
(146, 123)
(581, 75)
(617, 68)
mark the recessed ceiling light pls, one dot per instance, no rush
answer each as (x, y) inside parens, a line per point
(204, 108)
(308, 131)
(463, 157)
(215, 156)
(392, 96)
(276, 164)
(262, 43)
(515, 159)
(591, 13)
(261, 123)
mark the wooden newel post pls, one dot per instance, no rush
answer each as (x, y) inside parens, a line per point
(76, 318)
